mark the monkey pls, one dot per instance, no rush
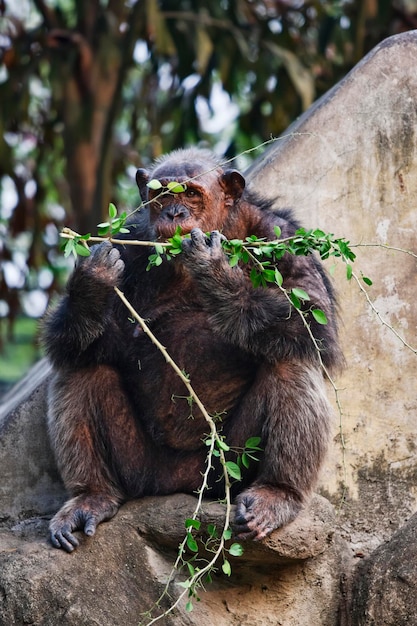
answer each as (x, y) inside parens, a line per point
(119, 421)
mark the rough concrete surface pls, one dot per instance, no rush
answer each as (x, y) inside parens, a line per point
(348, 166)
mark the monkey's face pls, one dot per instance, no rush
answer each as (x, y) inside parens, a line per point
(208, 196)
(196, 207)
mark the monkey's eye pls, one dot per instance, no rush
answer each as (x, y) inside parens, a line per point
(192, 193)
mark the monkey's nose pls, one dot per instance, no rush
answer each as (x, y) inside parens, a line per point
(175, 213)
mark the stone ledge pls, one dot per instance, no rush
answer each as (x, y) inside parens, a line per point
(161, 521)
(115, 576)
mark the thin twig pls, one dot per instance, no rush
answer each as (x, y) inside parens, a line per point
(199, 575)
(384, 246)
(379, 316)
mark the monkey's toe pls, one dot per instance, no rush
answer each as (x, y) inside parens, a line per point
(262, 509)
(63, 538)
(62, 527)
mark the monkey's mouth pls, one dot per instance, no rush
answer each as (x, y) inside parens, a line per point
(167, 229)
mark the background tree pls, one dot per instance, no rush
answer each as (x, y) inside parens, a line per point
(91, 90)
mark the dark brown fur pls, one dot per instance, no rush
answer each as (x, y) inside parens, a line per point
(120, 422)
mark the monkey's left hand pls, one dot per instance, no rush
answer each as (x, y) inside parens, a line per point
(204, 255)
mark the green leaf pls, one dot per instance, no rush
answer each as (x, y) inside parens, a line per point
(103, 225)
(367, 280)
(185, 584)
(154, 184)
(192, 523)
(227, 534)
(159, 249)
(69, 247)
(236, 549)
(226, 567)
(212, 531)
(112, 210)
(82, 250)
(278, 278)
(233, 470)
(245, 460)
(176, 240)
(269, 276)
(255, 277)
(189, 606)
(300, 293)
(319, 316)
(223, 445)
(253, 442)
(234, 260)
(175, 187)
(124, 231)
(116, 226)
(349, 271)
(191, 543)
(277, 231)
(191, 569)
(295, 301)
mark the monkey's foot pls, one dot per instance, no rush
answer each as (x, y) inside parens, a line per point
(83, 513)
(263, 508)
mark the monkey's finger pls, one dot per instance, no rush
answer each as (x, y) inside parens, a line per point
(64, 539)
(100, 249)
(216, 238)
(199, 239)
(251, 529)
(114, 255)
(107, 255)
(246, 534)
(90, 526)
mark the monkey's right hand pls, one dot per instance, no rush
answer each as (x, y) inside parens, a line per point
(104, 263)
(103, 268)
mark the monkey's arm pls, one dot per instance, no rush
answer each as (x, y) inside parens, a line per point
(84, 312)
(259, 320)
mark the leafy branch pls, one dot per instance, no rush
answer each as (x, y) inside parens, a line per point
(217, 447)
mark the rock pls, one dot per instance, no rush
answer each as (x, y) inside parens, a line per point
(114, 577)
(307, 536)
(30, 483)
(385, 585)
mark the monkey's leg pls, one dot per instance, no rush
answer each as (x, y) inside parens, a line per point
(96, 443)
(292, 402)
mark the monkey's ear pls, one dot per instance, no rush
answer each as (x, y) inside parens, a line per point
(233, 183)
(142, 177)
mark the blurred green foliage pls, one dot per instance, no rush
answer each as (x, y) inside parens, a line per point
(19, 354)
